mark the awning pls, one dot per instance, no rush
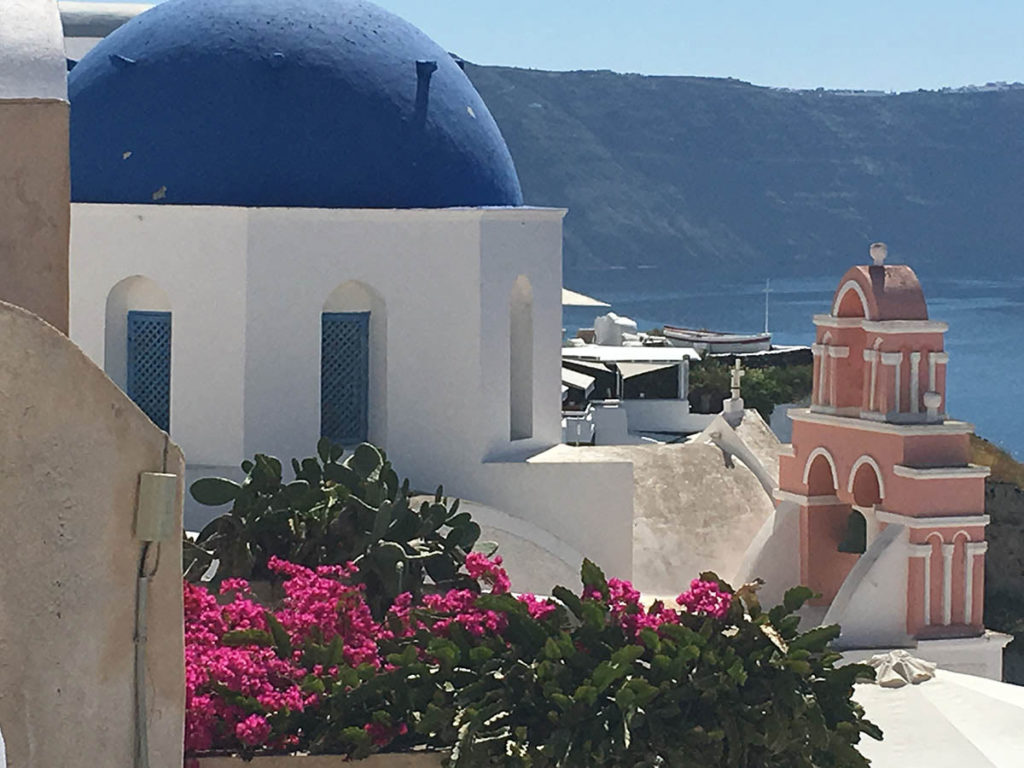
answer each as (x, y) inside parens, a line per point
(578, 380)
(574, 299)
(590, 365)
(629, 370)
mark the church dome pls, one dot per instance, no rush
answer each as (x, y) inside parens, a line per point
(293, 103)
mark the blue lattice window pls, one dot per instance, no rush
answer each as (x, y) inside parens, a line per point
(344, 376)
(149, 364)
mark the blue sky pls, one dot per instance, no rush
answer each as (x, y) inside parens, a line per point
(896, 45)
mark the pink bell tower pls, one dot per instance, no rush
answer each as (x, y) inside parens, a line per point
(876, 450)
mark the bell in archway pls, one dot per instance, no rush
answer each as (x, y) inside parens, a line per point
(856, 539)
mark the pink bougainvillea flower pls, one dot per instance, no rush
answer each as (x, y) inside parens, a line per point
(705, 597)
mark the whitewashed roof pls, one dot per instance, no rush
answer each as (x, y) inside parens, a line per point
(949, 721)
(32, 64)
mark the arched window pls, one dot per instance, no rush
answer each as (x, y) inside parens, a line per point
(352, 365)
(520, 360)
(137, 351)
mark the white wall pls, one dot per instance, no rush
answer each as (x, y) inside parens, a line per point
(196, 256)
(773, 555)
(31, 51)
(424, 267)
(527, 242)
(247, 287)
(871, 605)
(663, 416)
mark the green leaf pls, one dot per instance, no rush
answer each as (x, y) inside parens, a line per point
(323, 449)
(214, 491)
(282, 643)
(240, 637)
(365, 461)
(486, 548)
(381, 521)
(570, 600)
(468, 535)
(795, 597)
(342, 475)
(593, 577)
(816, 639)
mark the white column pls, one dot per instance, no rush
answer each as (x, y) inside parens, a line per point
(924, 552)
(935, 359)
(820, 351)
(894, 359)
(971, 550)
(915, 378)
(871, 355)
(834, 353)
(947, 584)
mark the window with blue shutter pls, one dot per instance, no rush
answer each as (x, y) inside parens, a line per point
(344, 376)
(149, 364)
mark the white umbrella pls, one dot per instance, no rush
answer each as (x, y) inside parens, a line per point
(945, 720)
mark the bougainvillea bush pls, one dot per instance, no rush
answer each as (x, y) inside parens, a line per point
(586, 678)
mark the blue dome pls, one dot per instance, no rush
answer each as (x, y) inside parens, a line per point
(300, 103)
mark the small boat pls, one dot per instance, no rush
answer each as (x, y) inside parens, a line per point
(714, 342)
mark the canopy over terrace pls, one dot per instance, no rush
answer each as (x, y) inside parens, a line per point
(631, 363)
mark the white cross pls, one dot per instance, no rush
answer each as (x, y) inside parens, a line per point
(737, 374)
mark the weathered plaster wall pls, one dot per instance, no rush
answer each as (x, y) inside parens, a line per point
(73, 447)
(34, 194)
(695, 508)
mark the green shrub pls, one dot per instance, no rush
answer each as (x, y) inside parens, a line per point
(334, 511)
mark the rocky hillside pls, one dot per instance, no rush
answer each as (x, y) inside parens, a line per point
(686, 173)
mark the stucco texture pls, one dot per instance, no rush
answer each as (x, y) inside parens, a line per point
(73, 448)
(34, 210)
(695, 508)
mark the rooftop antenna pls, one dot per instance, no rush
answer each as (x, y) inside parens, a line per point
(767, 290)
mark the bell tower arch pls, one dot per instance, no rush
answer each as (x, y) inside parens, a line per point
(876, 449)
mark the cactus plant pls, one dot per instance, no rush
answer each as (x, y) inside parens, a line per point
(337, 509)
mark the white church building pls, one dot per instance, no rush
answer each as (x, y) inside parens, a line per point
(295, 220)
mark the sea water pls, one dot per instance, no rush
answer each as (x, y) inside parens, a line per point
(985, 341)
